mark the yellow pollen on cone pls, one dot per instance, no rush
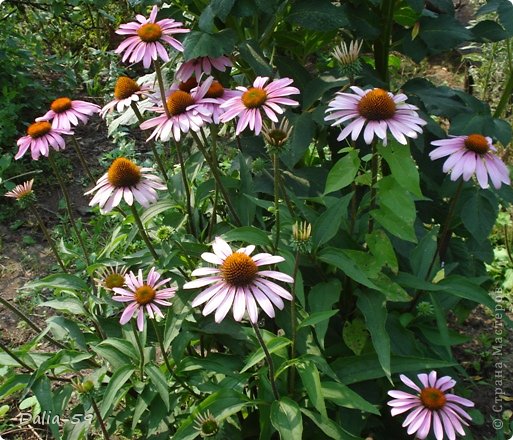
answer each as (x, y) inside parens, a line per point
(38, 129)
(254, 97)
(149, 32)
(123, 173)
(125, 87)
(178, 102)
(144, 294)
(60, 105)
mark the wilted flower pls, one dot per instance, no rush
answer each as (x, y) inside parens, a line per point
(40, 137)
(65, 113)
(147, 36)
(202, 65)
(469, 155)
(109, 277)
(143, 295)
(126, 91)
(379, 111)
(21, 192)
(258, 100)
(206, 424)
(277, 137)
(431, 406)
(125, 179)
(238, 282)
(348, 57)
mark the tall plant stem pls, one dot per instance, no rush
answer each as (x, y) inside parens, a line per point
(212, 163)
(186, 187)
(491, 62)
(276, 168)
(30, 323)
(68, 206)
(156, 154)
(142, 232)
(382, 45)
(214, 214)
(293, 326)
(160, 79)
(99, 417)
(505, 97)
(82, 159)
(268, 358)
(15, 357)
(34, 211)
(166, 361)
(140, 347)
(374, 180)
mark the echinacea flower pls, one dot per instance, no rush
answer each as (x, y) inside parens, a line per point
(257, 101)
(65, 113)
(431, 406)
(214, 97)
(348, 57)
(125, 180)
(40, 137)
(379, 111)
(109, 277)
(202, 65)
(146, 37)
(22, 191)
(143, 295)
(126, 91)
(469, 155)
(277, 136)
(186, 112)
(237, 282)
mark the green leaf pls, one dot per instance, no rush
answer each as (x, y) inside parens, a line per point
(222, 8)
(113, 392)
(159, 381)
(248, 235)
(373, 307)
(479, 213)
(403, 167)
(122, 345)
(71, 305)
(63, 327)
(42, 389)
(344, 396)
(201, 44)
(488, 30)
(392, 291)
(273, 345)
(316, 317)
(355, 335)
(312, 382)
(442, 33)
(441, 323)
(422, 255)
(343, 172)
(329, 222)
(251, 53)
(114, 356)
(302, 133)
(59, 281)
(316, 87)
(286, 418)
(321, 298)
(329, 427)
(382, 249)
(320, 15)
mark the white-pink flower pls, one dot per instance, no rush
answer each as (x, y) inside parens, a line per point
(41, 136)
(259, 100)
(21, 191)
(65, 113)
(378, 111)
(431, 406)
(214, 97)
(187, 111)
(469, 155)
(126, 91)
(202, 65)
(146, 37)
(238, 283)
(143, 295)
(125, 180)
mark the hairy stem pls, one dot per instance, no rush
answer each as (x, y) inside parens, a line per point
(185, 181)
(293, 326)
(142, 232)
(382, 45)
(82, 159)
(99, 417)
(140, 347)
(276, 167)
(160, 79)
(268, 358)
(374, 180)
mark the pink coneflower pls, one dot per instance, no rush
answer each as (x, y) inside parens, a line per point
(143, 295)
(21, 191)
(65, 113)
(126, 91)
(186, 112)
(431, 406)
(379, 111)
(237, 282)
(250, 104)
(125, 179)
(109, 277)
(218, 95)
(40, 137)
(202, 65)
(145, 42)
(469, 155)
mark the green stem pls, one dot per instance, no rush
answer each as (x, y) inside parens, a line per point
(156, 154)
(48, 237)
(140, 347)
(217, 176)
(293, 326)
(82, 159)
(214, 215)
(382, 45)
(268, 358)
(276, 167)
(142, 232)
(508, 245)
(15, 357)
(374, 180)
(68, 207)
(185, 181)
(99, 417)
(491, 62)
(505, 97)
(160, 80)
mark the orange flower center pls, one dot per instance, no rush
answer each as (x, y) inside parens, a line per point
(125, 87)
(377, 105)
(144, 294)
(239, 269)
(187, 86)
(114, 280)
(61, 105)
(38, 129)
(123, 173)
(432, 398)
(254, 97)
(178, 102)
(477, 143)
(216, 90)
(149, 32)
